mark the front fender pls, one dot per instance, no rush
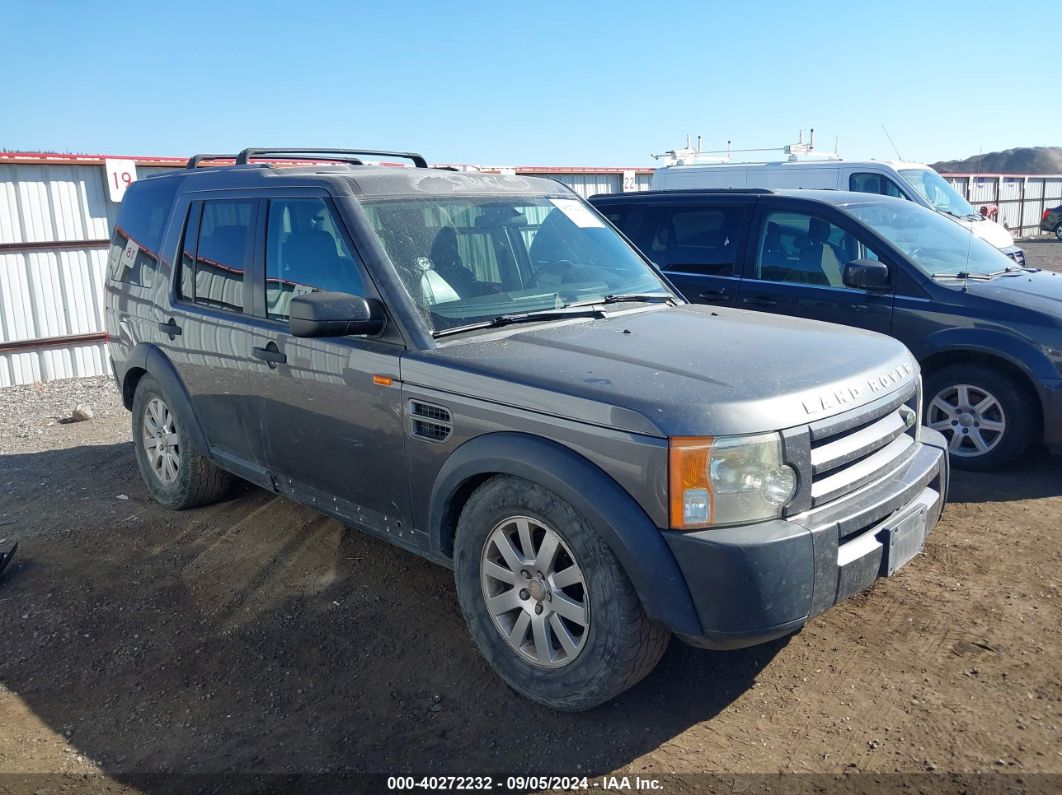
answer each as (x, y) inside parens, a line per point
(608, 508)
(1011, 348)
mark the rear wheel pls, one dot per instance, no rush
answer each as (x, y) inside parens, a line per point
(986, 416)
(1058, 230)
(176, 474)
(546, 601)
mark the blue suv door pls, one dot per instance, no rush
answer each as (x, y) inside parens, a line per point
(795, 259)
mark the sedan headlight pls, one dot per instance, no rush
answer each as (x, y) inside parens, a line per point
(727, 480)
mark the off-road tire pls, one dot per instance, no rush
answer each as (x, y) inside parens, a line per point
(1017, 402)
(622, 645)
(198, 481)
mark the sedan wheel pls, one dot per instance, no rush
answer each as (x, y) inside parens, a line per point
(970, 417)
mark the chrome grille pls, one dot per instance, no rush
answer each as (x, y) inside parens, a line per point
(864, 445)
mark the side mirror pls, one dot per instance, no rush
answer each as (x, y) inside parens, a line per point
(866, 274)
(335, 315)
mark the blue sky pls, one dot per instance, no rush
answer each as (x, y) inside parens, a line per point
(529, 83)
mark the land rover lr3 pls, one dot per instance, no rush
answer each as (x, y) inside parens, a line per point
(479, 369)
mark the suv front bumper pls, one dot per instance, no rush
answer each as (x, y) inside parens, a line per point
(754, 583)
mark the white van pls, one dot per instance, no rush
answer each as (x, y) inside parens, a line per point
(913, 181)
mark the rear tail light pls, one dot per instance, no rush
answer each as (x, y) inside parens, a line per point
(1046, 213)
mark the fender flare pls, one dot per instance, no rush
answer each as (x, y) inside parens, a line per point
(989, 342)
(612, 513)
(149, 358)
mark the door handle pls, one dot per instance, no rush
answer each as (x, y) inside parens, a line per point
(271, 355)
(760, 300)
(714, 295)
(170, 328)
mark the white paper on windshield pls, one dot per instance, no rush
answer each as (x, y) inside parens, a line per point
(577, 213)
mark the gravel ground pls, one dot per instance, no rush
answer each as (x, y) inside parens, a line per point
(1043, 253)
(29, 411)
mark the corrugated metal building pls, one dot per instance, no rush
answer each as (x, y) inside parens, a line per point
(55, 226)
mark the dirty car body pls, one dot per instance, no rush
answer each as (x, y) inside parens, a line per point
(498, 328)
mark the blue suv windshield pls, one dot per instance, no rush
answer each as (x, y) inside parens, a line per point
(936, 245)
(469, 259)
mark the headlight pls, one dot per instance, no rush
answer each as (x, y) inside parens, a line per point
(728, 480)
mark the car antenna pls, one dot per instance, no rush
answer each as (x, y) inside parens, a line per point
(969, 242)
(897, 151)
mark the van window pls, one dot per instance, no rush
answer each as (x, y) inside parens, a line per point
(866, 182)
(305, 253)
(691, 239)
(138, 233)
(795, 247)
(223, 252)
(616, 214)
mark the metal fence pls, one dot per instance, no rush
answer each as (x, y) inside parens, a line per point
(55, 226)
(1021, 198)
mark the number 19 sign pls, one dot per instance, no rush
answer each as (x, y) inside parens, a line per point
(120, 175)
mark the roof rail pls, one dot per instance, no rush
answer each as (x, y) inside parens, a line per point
(339, 155)
(195, 160)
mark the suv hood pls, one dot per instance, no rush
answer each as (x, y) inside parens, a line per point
(672, 371)
(1040, 291)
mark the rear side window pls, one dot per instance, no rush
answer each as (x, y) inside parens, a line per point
(616, 214)
(215, 252)
(690, 239)
(865, 182)
(138, 234)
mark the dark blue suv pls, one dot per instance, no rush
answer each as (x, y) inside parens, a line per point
(988, 333)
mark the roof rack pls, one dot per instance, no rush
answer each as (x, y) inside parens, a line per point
(339, 155)
(195, 160)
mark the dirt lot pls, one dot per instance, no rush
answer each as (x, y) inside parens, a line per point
(258, 636)
(1043, 252)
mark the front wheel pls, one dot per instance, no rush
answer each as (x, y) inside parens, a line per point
(547, 603)
(985, 415)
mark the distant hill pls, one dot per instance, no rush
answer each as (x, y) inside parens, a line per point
(1022, 160)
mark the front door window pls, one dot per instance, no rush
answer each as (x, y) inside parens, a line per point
(806, 249)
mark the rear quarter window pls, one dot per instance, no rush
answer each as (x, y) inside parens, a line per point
(137, 236)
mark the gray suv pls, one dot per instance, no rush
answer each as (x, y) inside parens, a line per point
(481, 370)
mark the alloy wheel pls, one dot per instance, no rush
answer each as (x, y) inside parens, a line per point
(970, 417)
(161, 442)
(535, 592)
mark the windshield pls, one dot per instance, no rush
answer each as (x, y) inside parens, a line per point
(468, 259)
(932, 242)
(935, 189)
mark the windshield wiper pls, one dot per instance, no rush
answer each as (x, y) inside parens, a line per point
(645, 298)
(561, 313)
(1014, 269)
(963, 275)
